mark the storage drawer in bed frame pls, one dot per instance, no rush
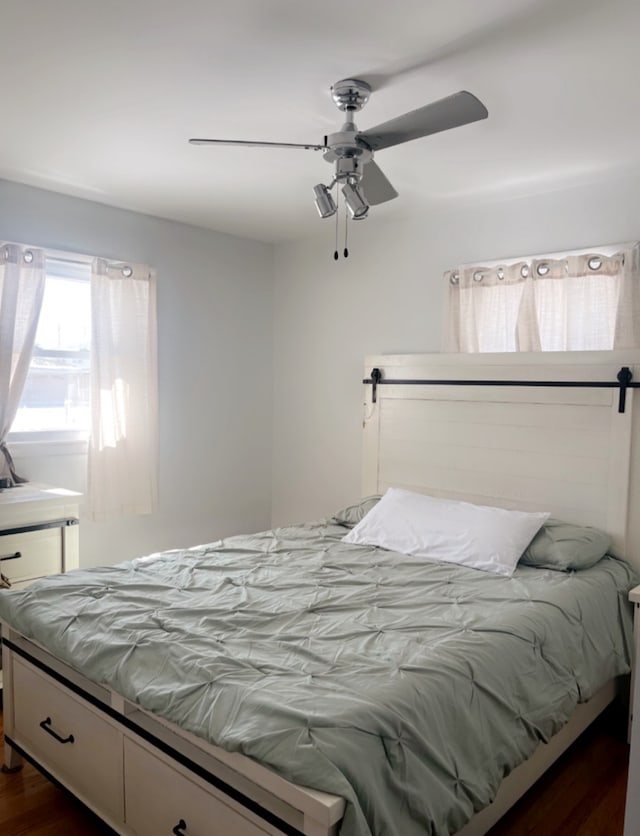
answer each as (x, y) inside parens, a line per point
(139, 774)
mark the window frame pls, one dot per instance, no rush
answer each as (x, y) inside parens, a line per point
(60, 441)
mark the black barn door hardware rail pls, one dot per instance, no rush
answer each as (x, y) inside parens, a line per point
(622, 383)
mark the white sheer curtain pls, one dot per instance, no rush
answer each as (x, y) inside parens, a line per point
(123, 444)
(584, 301)
(22, 277)
(627, 334)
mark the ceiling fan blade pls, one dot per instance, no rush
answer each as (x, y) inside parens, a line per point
(376, 187)
(251, 143)
(451, 112)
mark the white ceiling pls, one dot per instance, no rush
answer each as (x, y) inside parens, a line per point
(100, 97)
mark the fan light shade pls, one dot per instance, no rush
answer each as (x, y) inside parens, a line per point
(358, 206)
(325, 204)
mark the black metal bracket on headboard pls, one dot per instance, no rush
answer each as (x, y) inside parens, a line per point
(622, 383)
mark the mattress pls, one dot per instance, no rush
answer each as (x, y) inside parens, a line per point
(409, 687)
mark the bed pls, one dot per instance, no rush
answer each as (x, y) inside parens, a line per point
(290, 682)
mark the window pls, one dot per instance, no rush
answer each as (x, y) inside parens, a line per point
(55, 399)
(586, 301)
(81, 338)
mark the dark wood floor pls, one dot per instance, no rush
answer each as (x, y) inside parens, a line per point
(581, 795)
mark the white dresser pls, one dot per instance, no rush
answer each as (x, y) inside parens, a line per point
(38, 533)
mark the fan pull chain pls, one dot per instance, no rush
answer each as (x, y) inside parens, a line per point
(346, 229)
(335, 252)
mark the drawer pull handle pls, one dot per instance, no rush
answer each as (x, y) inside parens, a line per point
(46, 725)
(179, 829)
(11, 556)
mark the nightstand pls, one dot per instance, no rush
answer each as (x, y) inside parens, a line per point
(632, 810)
(38, 533)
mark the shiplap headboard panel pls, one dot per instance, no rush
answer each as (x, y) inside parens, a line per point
(563, 450)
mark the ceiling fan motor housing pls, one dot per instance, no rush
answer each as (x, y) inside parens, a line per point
(345, 143)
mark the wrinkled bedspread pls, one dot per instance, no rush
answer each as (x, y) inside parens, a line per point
(408, 687)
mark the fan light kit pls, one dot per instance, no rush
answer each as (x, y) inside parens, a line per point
(351, 152)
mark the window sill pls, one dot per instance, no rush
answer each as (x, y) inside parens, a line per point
(49, 447)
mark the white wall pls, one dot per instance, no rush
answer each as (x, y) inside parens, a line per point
(388, 297)
(234, 345)
(215, 297)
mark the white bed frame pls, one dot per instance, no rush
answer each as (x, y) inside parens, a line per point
(567, 450)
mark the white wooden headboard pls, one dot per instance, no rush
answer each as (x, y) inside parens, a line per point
(566, 450)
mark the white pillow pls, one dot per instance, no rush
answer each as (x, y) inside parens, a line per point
(491, 539)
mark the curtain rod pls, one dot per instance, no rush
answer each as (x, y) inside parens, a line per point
(622, 382)
(604, 249)
(68, 255)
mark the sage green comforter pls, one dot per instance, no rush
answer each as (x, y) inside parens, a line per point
(408, 687)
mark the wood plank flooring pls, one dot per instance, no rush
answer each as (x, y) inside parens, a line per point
(581, 795)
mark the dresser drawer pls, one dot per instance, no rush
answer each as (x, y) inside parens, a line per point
(183, 806)
(72, 741)
(31, 554)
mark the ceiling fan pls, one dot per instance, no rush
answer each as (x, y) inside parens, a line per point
(352, 151)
